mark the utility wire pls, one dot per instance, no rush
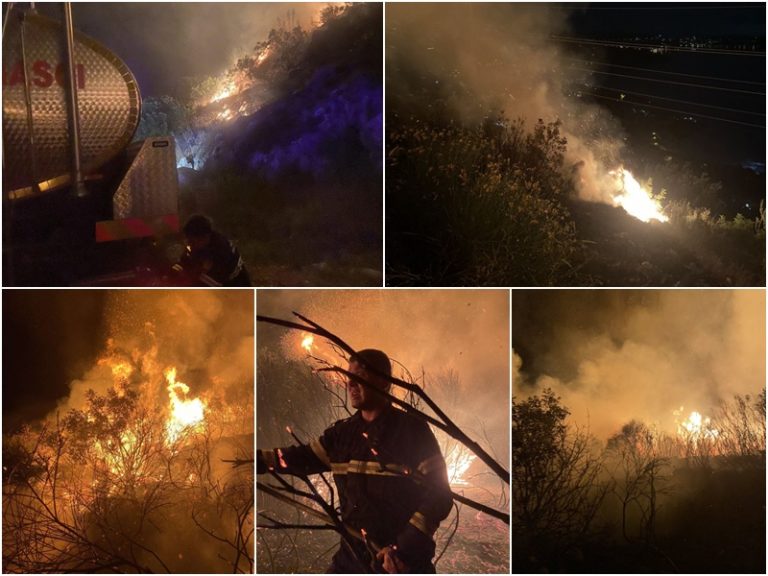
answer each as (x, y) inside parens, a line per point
(622, 91)
(658, 80)
(665, 47)
(685, 112)
(714, 78)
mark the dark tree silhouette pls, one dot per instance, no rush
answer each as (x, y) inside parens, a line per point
(556, 488)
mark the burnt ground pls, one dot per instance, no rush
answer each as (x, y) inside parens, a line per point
(620, 250)
(480, 546)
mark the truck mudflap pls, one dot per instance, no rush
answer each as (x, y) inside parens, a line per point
(127, 228)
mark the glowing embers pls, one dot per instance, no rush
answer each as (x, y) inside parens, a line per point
(634, 199)
(696, 427)
(186, 415)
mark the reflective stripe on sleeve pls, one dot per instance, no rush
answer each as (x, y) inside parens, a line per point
(369, 468)
(237, 270)
(420, 522)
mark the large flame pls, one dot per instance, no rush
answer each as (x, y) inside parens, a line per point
(635, 199)
(186, 415)
(696, 426)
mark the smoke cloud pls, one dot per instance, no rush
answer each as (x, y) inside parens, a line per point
(465, 331)
(488, 58)
(183, 39)
(614, 356)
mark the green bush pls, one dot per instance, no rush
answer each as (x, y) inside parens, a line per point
(478, 206)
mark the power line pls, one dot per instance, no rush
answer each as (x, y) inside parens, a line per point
(685, 112)
(714, 78)
(700, 86)
(622, 91)
(611, 44)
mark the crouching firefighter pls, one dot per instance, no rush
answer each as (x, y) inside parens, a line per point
(211, 259)
(390, 476)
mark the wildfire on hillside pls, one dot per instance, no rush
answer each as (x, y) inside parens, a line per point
(695, 427)
(634, 198)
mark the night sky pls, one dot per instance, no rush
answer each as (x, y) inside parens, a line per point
(669, 18)
(50, 337)
(702, 140)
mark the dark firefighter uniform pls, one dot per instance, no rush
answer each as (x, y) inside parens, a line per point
(391, 480)
(217, 264)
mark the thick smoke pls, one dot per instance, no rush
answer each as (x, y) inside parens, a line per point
(614, 356)
(466, 331)
(499, 57)
(207, 335)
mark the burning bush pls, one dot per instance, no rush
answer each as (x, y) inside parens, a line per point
(105, 487)
(138, 471)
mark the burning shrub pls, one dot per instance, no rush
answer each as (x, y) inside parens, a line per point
(99, 488)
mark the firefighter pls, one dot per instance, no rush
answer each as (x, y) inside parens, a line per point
(390, 476)
(210, 258)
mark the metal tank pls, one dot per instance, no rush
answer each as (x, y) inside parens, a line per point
(36, 134)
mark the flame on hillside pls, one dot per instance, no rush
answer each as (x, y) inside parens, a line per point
(634, 198)
(233, 82)
(227, 90)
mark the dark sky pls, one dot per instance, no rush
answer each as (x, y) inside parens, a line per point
(50, 337)
(712, 141)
